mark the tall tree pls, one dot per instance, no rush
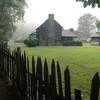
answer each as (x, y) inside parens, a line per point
(87, 25)
(10, 12)
(98, 25)
(93, 3)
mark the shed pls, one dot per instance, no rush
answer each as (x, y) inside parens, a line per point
(95, 37)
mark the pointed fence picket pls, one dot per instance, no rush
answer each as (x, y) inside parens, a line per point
(39, 84)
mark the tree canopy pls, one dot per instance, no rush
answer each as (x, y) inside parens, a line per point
(86, 26)
(93, 3)
(10, 12)
(98, 23)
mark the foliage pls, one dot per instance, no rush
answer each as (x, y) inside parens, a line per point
(30, 43)
(86, 26)
(93, 3)
(32, 36)
(10, 12)
(98, 24)
(72, 43)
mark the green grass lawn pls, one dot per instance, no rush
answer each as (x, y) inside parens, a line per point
(83, 63)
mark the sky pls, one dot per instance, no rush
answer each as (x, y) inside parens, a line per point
(67, 12)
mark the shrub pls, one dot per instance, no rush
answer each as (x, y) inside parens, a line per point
(72, 43)
(95, 43)
(30, 43)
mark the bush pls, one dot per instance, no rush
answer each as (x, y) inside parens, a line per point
(72, 43)
(95, 43)
(30, 43)
(18, 41)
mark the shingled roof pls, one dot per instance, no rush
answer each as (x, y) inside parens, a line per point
(50, 24)
(95, 35)
(68, 33)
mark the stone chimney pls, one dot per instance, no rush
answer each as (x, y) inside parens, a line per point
(51, 30)
(71, 30)
(51, 16)
(51, 23)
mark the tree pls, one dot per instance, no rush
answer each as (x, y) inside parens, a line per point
(87, 25)
(93, 3)
(10, 12)
(98, 25)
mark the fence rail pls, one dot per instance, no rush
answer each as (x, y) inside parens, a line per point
(40, 85)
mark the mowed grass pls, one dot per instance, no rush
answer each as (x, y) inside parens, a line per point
(83, 63)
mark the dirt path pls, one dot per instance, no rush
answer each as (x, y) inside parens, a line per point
(7, 92)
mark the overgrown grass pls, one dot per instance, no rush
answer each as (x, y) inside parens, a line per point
(83, 63)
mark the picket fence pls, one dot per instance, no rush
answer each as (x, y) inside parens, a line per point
(39, 84)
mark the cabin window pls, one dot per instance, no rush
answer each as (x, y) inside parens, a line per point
(43, 37)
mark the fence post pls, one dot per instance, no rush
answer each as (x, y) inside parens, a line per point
(67, 84)
(23, 77)
(46, 80)
(2, 58)
(77, 94)
(25, 74)
(18, 61)
(59, 81)
(53, 81)
(95, 87)
(39, 78)
(13, 70)
(33, 81)
(28, 79)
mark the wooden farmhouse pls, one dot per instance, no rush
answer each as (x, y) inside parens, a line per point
(52, 33)
(49, 33)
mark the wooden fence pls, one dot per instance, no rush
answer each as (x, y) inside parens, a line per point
(39, 84)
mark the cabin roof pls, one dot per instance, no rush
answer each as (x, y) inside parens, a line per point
(46, 22)
(95, 35)
(68, 33)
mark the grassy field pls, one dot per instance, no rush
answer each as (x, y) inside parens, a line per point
(83, 63)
